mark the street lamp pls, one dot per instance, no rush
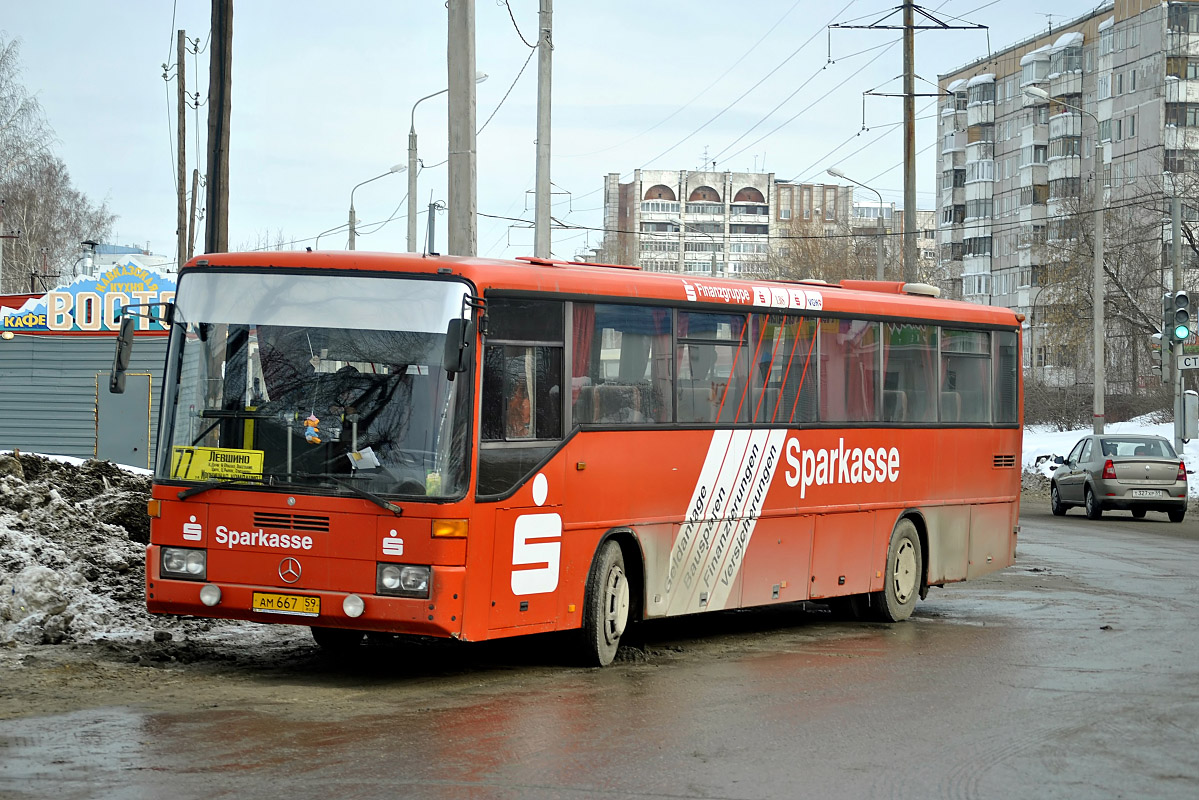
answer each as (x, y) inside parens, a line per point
(1097, 267)
(836, 173)
(353, 217)
(479, 78)
(683, 225)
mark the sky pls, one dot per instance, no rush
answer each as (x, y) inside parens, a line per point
(322, 97)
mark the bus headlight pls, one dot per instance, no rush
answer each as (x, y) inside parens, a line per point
(184, 562)
(402, 580)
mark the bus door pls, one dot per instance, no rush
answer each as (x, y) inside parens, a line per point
(520, 430)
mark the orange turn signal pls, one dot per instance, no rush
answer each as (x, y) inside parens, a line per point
(449, 529)
(154, 508)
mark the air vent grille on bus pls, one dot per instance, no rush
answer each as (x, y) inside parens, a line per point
(291, 522)
(1007, 460)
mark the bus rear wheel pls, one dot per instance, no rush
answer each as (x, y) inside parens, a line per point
(337, 640)
(605, 606)
(905, 567)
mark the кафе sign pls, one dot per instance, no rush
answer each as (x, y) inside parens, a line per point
(93, 303)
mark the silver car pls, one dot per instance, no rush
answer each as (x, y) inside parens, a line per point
(1128, 472)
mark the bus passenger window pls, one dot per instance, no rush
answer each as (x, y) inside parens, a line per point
(713, 363)
(849, 370)
(1007, 378)
(785, 380)
(910, 366)
(622, 365)
(965, 376)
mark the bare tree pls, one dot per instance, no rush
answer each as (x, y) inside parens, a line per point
(805, 250)
(39, 199)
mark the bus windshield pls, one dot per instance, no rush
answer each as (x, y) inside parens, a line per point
(326, 383)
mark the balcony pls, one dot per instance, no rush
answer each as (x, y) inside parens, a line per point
(1065, 83)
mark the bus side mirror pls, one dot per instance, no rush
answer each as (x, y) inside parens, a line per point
(458, 337)
(120, 362)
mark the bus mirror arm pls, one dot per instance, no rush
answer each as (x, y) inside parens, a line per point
(120, 362)
(458, 337)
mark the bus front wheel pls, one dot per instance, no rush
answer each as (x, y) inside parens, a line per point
(905, 566)
(605, 606)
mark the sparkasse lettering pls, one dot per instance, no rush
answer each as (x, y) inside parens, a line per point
(258, 538)
(840, 465)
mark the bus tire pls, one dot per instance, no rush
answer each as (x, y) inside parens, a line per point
(605, 606)
(903, 575)
(337, 640)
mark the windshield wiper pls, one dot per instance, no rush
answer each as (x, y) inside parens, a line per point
(273, 480)
(218, 482)
(365, 495)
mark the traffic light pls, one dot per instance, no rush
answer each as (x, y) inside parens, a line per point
(1180, 317)
(1155, 354)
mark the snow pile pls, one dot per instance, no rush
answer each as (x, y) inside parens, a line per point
(71, 550)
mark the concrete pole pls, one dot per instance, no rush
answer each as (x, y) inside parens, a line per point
(353, 223)
(1175, 351)
(463, 199)
(541, 214)
(882, 236)
(1097, 288)
(412, 183)
(181, 145)
(909, 145)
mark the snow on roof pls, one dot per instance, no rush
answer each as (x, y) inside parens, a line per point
(958, 84)
(1107, 23)
(980, 79)
(1040, 54)
(1072, 39)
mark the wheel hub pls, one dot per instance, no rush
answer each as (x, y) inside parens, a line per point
(904, 571)
(616, 606)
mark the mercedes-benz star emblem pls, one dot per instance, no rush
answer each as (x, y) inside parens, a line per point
(289, 570)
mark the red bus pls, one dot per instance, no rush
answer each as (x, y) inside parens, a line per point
(470, 448)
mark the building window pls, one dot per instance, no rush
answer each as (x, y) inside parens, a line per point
(1065, 187)
(981, 92)
(1130, 126)
(830, 203)
(1105, 130)
(1183, 18)
(1182, 114)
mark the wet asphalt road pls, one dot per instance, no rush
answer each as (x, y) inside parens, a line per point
(1074, 674)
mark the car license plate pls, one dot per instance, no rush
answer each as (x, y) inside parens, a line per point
(1146, 493)
(299, 605)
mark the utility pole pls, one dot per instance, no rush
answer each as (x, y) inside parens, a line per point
(909, 146)
(463, 200)
(1175, 374)
(909, 95)
(181, 175)
(1097, 284)
(541, 215)
(220, 79)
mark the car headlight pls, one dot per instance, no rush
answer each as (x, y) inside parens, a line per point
(184, 562)
(403, 580)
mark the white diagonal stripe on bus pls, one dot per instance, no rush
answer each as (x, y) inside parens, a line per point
(701, 497)
(734, 556)
(702, 536)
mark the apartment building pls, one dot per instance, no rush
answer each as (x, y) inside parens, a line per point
(1114, 93)
(713, 223)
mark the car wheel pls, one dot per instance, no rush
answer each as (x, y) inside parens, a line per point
(605, 607)
(1138, 513)
(903, 574)
(1176, 514)
(1092, 505)
(1055, 501)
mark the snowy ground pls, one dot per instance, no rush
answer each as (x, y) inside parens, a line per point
(73, 535)
(1040, 441)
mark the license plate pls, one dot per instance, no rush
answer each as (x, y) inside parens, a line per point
(1146, 493)
(299, 605)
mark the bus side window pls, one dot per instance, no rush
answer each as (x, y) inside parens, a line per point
(910, 367)
(849, 370)
(966, 373)
(785, 380)
(521, 399)
(621, 365)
